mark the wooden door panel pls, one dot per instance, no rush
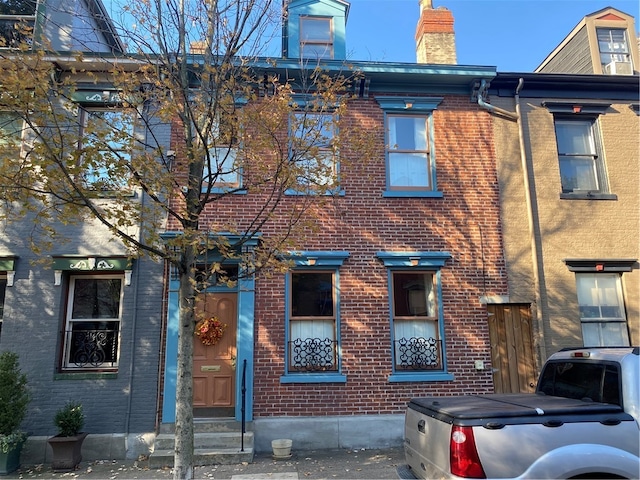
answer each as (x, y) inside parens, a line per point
(512, 355)
(214, 365)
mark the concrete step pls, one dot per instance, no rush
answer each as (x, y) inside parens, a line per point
(166, 441)
(202, 456)
(210, 425)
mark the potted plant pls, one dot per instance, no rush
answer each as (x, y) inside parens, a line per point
(67, 444)
(14, 398)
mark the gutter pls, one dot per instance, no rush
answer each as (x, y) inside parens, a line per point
(527, 177)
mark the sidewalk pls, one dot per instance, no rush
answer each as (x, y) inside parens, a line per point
(312, 464)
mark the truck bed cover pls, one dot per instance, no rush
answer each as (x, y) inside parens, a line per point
(515, 408)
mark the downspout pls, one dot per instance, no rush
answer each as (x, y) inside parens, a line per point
(527, 180)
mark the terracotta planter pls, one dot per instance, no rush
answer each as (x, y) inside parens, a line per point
(67, 452)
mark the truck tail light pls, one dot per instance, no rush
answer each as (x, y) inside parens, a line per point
(464, 458)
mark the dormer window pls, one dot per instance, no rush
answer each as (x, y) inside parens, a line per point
(315, 29)
(316, 37)
(17, 19)
(614, 51)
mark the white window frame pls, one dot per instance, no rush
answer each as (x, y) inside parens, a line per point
(68, 364)
(600, 295)
(121, 151)
(612, 49)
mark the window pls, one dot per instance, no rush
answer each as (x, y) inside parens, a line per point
(313, 151)
(579, 380)
(17, 18)
(313, 318)
(408, 152)
(106, 143)
(92, 327)
(613, 46)
(11, 127)
(316, 38)
(410, 162)
(415, 322)
(312, 323)
(221, 169)
(581, 165)
(416, 315)
(602, 310)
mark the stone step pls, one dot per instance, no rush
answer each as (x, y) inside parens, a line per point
(211, 440)
(210, 425)
(202, 456)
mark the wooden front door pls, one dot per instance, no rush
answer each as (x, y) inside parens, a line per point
(214, 366)
(512, 355)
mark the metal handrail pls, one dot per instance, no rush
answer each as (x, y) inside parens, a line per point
(244, 400)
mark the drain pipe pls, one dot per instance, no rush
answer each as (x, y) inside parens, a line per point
(482, 91)
(531, 218)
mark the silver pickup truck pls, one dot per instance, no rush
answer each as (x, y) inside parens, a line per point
(582, 422)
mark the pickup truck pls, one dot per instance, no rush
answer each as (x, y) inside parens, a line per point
(582, 422)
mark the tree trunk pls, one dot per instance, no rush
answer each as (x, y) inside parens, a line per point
(183, 457)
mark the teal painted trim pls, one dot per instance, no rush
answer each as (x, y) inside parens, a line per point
(313, 378)
(231, 237)
(244, 343)
(292, 192)
(321, 258)
(411, 194)
(86, 376)
(171, 356)
(408, 104)
(421, 377)
(88, 263)
(227, 190)
(404, 259)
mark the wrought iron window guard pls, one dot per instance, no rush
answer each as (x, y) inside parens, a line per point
(313, 355)
(92, 348)
(418, 353)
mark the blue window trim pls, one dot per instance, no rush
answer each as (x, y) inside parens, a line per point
(310, 260)
(420, 261)
(411, 106)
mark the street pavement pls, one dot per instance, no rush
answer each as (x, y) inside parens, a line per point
(311, 464)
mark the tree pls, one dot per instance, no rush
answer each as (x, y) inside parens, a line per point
(191, 67)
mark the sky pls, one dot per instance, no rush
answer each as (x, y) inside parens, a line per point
(512, 35)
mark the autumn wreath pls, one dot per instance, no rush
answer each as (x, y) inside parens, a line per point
(210, 330)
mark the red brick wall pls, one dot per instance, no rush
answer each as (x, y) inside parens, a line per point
(464, 223)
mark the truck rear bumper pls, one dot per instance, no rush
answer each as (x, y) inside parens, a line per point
(404, 472)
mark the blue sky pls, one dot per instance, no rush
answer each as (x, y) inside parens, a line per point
(512, 35)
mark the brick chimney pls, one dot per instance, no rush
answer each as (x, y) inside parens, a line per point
(435, 39)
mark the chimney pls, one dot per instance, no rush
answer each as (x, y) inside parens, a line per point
(435, 39)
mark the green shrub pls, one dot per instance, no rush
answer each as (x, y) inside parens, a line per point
(69, 419)
(14, 399)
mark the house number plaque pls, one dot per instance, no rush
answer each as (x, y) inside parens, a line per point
(210, 368)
